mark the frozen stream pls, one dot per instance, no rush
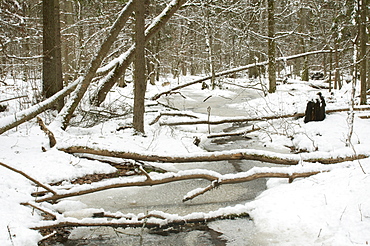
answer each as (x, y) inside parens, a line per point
(168, 197)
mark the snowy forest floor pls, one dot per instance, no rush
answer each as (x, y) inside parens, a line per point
(330, 208)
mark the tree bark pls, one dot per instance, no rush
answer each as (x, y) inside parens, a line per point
(139, 67)
(52, 80)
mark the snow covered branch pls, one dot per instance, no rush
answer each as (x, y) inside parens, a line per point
(46, 187)
(241, 154)
(216, 178)
(154, 219)
(18, 118)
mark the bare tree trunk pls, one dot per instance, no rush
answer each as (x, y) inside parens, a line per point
(66, 113)
(120, 67)
(68, 44)
(52, 80)
(139, 64)
(209, 42)
(271, 46)
(362, 58)
(302, 24)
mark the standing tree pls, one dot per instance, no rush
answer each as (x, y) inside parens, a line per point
(52, 80)
(271, 46)
(139, 64)
(362, 49)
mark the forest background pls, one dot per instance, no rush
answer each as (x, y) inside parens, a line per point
(202, 37)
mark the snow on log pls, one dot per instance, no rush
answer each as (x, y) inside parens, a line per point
(258, 155)
(154, 219)
(11, 121)
(239, 154)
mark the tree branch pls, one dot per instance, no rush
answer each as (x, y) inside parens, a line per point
(246, 119)
(46, 187)
(171, 114)
(157, 179)
(238, 69)
(217, 183)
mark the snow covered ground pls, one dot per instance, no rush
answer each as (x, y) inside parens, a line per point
(330, 208)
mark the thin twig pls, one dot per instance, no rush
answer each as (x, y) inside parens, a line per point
(9, 99)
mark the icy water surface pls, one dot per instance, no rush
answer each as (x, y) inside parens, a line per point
(168, 197)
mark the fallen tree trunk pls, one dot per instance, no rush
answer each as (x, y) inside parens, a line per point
(118, 67)
(246, 119)
(238, 69)
(264, 156)
(248, 154)
(154, 219)
(14, 120)
(67, 111)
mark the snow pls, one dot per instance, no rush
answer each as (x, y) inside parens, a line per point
(329, 208)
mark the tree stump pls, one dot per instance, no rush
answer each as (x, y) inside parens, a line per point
(315, 109)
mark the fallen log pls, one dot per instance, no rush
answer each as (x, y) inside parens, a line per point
(232, 134)
(11, 121)
(265, 156)
(261, 118)
(154, 219)
(245, 154)
(238, 69)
